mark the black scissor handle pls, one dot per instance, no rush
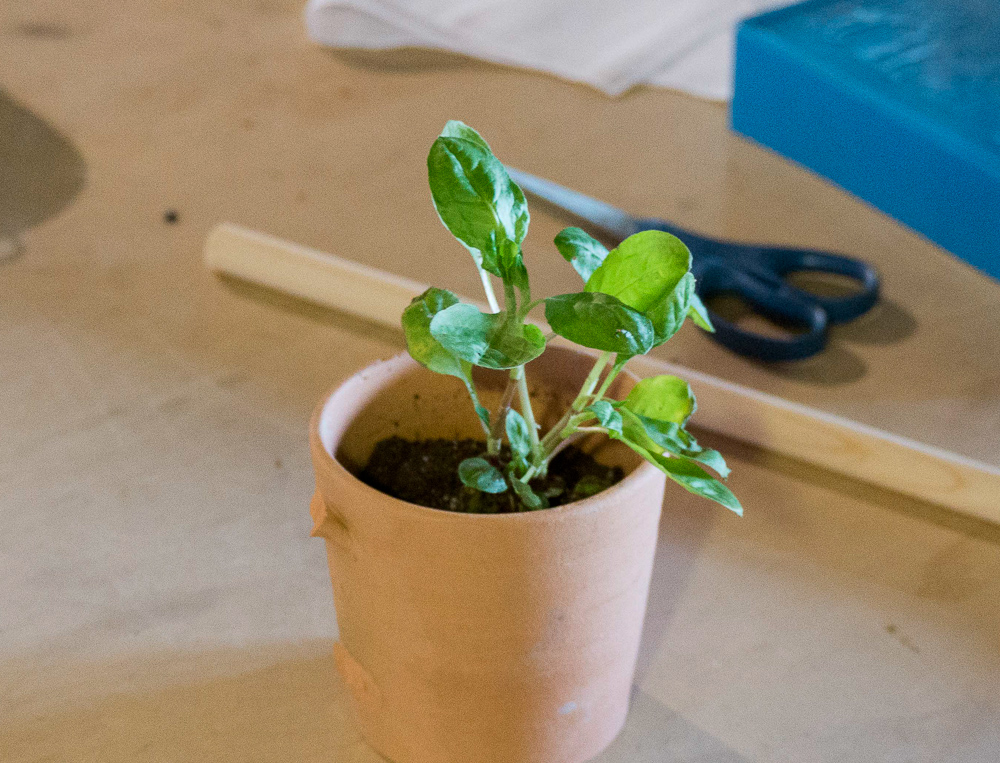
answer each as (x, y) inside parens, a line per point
(781, 261)
(782, 304)
(838, 309)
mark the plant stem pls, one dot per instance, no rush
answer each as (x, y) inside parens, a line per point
(474, 395)
(491, 297)
(526, 411)
(496, 432)
(510, 300)
(608, 379)
(493, 441)
(552, 436)
(564, 443)
(590, 382)
(555, 434)
(528, 307)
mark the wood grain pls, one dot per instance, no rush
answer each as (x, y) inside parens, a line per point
(791, 429)
(161, 598)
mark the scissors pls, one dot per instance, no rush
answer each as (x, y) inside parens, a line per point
(754, 273)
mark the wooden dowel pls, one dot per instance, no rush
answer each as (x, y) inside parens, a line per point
(785, 427)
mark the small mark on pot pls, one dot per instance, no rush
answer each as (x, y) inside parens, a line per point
(568, 708)
(277, 463)
(396, 423)
(416, 397)
(170, 217)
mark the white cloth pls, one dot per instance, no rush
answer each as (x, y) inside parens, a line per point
(681, 44)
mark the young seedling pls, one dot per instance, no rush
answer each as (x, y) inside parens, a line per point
(634, 298)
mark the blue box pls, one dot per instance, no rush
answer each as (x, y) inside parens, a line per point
(897, 101)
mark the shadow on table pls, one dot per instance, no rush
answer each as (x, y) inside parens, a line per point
(833, 366)
(41, 171)
(216, 706)
(684, 526)
(887, 323)
(326, 316)
(407, 59)
(655, 734)
(243, 705)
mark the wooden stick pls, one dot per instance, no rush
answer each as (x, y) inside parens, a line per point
(794, 430)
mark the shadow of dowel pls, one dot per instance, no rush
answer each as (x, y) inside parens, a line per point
(406, 60)
(654, 733)
(41, 171)
(289, 303)
(247, 705)
(684, 527)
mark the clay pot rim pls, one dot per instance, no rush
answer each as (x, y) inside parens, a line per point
(564, 512)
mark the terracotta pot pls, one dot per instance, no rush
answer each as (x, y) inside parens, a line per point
(480, 638)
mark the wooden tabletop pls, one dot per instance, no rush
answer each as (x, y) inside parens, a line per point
(161, 598)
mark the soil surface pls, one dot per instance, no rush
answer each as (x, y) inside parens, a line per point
(425, 472)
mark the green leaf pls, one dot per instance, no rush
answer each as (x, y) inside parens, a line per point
(699, 314)
(528, 496)
(643, 269)
(650, 272)
(422, 346)
(474, 196)
(519, 436)
(688, 475)
(429, 352)
(587, 486)
(634, 431)
(607, 416)
(712, 459)
(667, 315)
(490, 340)
(480, 474)
(453, 128)
(481, 410)
(581, 250)
(601, 322)
(512, 269)
(696, 480)
(664, 398)
(677, 441)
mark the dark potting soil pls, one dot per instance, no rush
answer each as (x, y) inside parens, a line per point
(425, 472)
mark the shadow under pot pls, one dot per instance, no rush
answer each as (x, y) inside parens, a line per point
(480, 637)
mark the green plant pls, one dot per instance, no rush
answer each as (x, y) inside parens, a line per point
(635, 298)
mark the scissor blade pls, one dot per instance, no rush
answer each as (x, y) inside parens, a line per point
(605, 217)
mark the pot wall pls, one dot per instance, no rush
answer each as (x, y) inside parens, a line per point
(508, 637)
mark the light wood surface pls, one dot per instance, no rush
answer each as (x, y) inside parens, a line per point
(161, 598)
(328, 149)
(791, 429)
